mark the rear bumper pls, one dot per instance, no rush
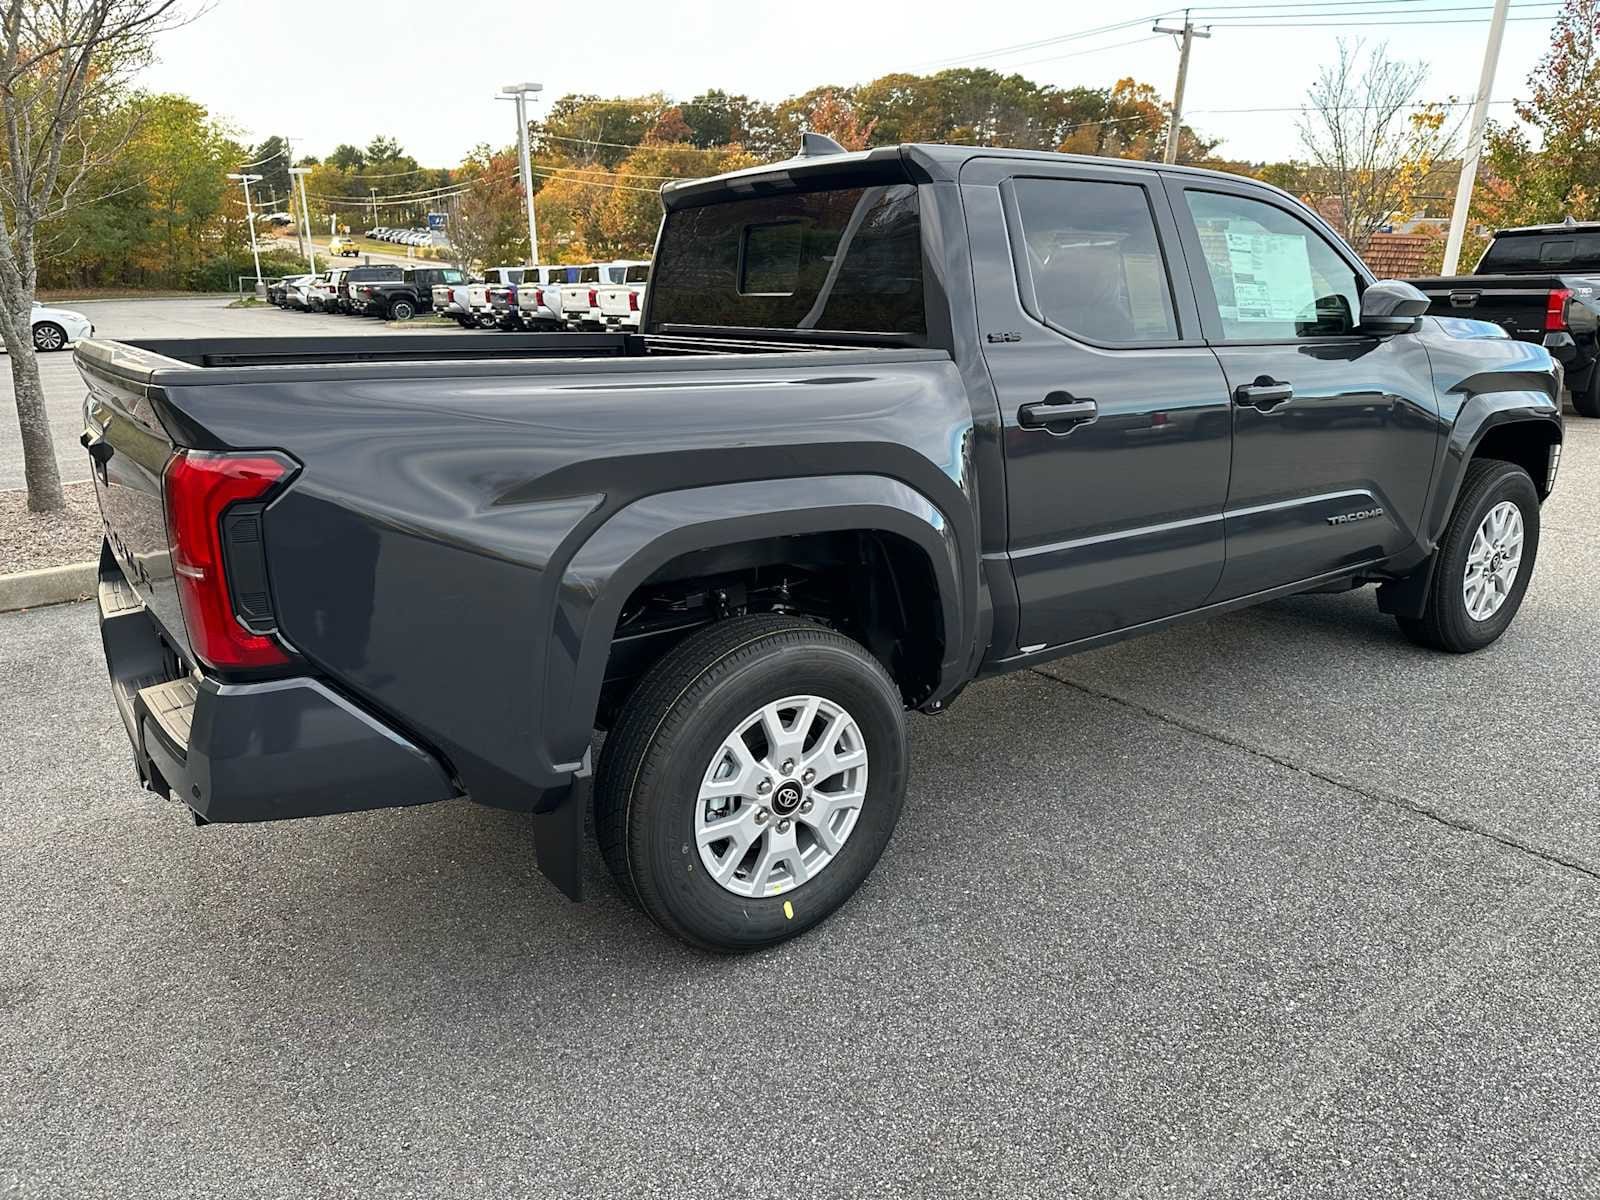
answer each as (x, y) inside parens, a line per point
(238, 752)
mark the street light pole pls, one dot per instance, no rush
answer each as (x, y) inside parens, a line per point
(1469, 161)
(250, 218)
(300, 173)
(521, 92)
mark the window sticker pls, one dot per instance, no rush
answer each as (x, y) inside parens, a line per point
(1270, 276)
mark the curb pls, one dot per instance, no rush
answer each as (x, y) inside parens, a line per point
(48, 585)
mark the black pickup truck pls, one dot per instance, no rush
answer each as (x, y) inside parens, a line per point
(895, 420)
(403, 298)
(1540, 283)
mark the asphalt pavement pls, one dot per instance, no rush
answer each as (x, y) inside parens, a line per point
(1274, 905)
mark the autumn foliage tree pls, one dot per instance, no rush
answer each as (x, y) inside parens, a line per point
(488, 225)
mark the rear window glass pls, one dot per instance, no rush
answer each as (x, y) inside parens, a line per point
(589, 275)
(1535, 252)
(638, 273)
(841, 259)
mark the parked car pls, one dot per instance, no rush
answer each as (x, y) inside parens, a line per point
(403, 298)
(621, 303)
(297, 292)
(897, 420)
(56, 328)
(325, 292)
(538, 298)
(275, 290)
(350, 301)
(1540, 283)
(478, 303)
(580, 301)
(343, 247)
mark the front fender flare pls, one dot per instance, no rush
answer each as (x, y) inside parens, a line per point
(641, 537)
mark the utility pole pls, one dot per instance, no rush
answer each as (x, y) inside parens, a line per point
(250, 219)
(1469, 161)
(520, 92)
(1188, 33)
(300, 173)
(374, 192)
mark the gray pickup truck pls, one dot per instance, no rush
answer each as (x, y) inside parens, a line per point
(894, 420)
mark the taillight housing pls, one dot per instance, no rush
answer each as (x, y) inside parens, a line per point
(199, 488)
(1555, 309)
(450, 295)
(633, 301)
(594, 297)
(538, 297)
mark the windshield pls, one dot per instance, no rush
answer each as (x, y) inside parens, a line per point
(841, 259)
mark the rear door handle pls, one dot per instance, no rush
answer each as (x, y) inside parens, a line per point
(1058, 412)
(1265, 393)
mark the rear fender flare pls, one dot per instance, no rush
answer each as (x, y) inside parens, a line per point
(653, 530)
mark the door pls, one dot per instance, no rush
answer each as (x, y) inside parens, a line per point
(1114, 412)
(1334, 431)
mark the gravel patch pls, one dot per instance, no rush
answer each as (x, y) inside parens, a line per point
(29, 540)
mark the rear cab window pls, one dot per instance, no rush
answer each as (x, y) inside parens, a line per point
(845, 259)
(589, 275)
(1514, 253)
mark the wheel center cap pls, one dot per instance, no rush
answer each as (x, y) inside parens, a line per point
(786, 799)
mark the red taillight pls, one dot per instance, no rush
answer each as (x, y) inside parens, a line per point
(594, 298)
(538, 297)
(450, 295)
(198, 487)
(1555, 309)
(633, 301)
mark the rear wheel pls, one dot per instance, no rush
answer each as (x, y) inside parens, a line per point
(1486, 559)
(752, 781)
(402, 310)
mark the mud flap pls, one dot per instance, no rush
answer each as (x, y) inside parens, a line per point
(558, 832)
(1409, 596)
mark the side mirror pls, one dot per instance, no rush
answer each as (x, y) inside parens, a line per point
(1391, 306)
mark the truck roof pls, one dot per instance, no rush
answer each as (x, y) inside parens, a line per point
(913, 162)
(1567, 226)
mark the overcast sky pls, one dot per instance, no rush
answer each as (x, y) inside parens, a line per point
(427, 74)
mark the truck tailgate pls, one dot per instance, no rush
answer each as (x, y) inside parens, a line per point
(1514, 302)
(129, 449)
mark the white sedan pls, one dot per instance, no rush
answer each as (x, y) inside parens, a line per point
(53, 328)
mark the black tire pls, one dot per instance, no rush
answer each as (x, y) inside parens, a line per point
(650, 771)
(466, 322)
(402, 310)
(1445, 623)
(49, 337)
(1587, 401)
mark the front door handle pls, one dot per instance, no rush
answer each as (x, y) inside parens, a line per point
(1265, 393)
(1057, 412)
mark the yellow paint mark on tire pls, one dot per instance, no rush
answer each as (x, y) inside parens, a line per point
(788, 910)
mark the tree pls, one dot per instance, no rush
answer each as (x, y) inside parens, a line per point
(270, 160)
(347, 157)
(383, 149)
(1561, 176)
(1369, 142)
(63, 65)
(488, 225)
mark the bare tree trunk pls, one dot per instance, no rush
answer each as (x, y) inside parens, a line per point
(38, 450)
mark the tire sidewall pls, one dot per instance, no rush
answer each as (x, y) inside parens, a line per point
(663, 854)
(1514, 485)
(401, 310)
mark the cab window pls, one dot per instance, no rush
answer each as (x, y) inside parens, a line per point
(1273, 276)
(1094, 260)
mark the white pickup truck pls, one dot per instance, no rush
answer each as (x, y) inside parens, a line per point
(621, 303)
(478, 304)
(538, 297)
(450, 300)
(580, 301)
(324, 295)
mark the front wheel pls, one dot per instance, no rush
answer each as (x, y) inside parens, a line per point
(48, 336)
(1486, 559)
(752, 781)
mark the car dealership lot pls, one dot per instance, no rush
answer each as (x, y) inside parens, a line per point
(1275, 905)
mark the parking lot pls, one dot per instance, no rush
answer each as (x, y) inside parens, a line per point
(1273, 905)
